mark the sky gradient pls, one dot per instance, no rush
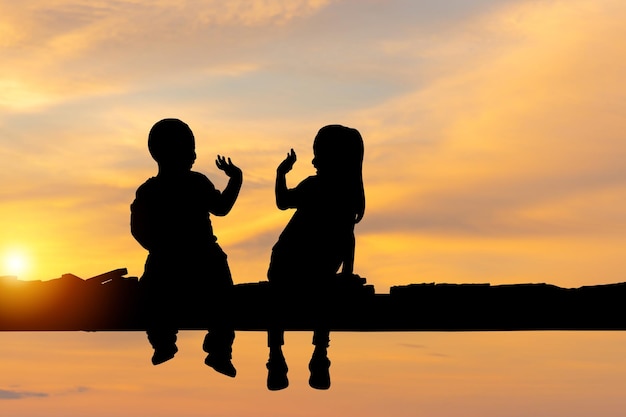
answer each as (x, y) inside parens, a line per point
(494, 152)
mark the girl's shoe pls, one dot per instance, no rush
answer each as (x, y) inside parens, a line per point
(320, 371)
(277, 374)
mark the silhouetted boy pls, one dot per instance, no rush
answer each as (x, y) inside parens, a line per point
(186, 272)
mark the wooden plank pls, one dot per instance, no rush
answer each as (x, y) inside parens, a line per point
(113, 302)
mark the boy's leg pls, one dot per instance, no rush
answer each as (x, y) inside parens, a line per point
(163, 342)
(216, 295)
(218, 344)
(219, 341)
(160, 318)
(161, 332)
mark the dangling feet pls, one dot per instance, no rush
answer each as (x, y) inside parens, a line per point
(221, 363)
(164, 354)
(277, 372)
(320, 369)
(218, 345)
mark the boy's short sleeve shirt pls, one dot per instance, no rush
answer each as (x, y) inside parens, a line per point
(174, 212)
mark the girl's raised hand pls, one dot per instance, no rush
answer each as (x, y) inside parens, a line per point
(228, 167)
(287, 164)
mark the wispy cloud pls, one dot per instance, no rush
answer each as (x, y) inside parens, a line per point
(20, 395)
(515, 139)
(67, 49)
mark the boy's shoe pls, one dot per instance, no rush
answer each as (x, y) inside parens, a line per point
(164, 354)
(221, 364)
(277, 374)
(320, 372)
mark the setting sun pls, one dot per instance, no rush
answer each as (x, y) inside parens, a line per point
(15, 263)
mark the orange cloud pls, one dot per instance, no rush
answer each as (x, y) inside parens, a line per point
(50, 49)
(517, 144)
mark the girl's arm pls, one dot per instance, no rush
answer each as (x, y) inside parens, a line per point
(283, 200)
(348, 260)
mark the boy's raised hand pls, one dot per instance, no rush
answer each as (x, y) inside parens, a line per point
(287, 164)
(228, 167)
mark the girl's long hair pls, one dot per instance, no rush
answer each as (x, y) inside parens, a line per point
(342, 148)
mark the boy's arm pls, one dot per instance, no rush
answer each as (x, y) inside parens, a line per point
(283, 196)
(228, 197)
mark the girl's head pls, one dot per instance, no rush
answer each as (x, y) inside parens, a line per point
(172, 145)
(338, 156)
(338, 150)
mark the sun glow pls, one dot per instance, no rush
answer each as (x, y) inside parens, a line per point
(15, 263)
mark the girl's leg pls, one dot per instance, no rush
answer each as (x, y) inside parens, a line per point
(276, 365)
(320, 364)
(321, 339)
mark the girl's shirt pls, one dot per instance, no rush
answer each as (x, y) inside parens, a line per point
(318, 233)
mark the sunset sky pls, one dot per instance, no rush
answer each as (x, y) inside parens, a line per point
(495, 141)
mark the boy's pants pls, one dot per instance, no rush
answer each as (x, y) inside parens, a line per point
(194, 290)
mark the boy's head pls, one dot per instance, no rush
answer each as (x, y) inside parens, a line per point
(171, 144)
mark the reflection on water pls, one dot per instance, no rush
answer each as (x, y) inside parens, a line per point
(400, 374)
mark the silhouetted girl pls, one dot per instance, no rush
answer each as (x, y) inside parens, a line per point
(317, 241)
